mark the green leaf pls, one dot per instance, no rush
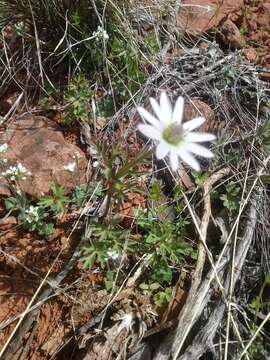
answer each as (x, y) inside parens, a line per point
(90, 260)
(265, 179)
(155, 191)
(11, 203)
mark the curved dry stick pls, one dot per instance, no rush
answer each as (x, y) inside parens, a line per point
(203, 340)
(186, 315)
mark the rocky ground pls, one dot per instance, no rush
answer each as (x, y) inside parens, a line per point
(46, 146)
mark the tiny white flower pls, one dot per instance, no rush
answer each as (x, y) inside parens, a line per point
(16, 172)
(101, 34)
(175, 139)
(3, 148)
(95, 164)
(70, 167)
(21, 170)
(112, 255)
(32, 212)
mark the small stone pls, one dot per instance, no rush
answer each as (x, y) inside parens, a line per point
(265, 76)
(8, 222)
(39, 145)
(251, 54)
(231, 35)
(196, 108)
(198, 16)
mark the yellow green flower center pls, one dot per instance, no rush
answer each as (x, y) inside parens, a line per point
(173, 134)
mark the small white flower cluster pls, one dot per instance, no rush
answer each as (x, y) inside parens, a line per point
(32, 214)
(70, 167)
(3, 148)
(112, 255)
(101, 34)
(16, 172)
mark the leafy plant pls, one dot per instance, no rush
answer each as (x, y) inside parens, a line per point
(112, 279)
(200, 178)
(57, 202)
(33, 218)
(78, 96)
(148, 289)
(165, 241)
(84, 191)
(151, 42)
(18, 202)
(230, 73)
(257, 302)
(127, 59)
(160, 297)
(163, 297)
(155, 191)
(107, 242)
(231, 198)
(243, 30)
(263, 136)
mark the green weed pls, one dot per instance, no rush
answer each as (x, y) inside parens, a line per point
(165, 242)
(84, 191)
(78, 96)
(57, 202)
(33, 218)
(263, 136)
(160, 295)
(231, 199)
(107, 243)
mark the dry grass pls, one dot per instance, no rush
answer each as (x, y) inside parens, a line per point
(233, 89)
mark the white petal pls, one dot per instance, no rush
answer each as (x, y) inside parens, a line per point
(165, 107)
(178, 110)
(148, 117)
(162, 150)
(189, 159)
(174, 160)
(198, 150)
(193, 124)
(156, 108)
(149, 131)
(199, 137)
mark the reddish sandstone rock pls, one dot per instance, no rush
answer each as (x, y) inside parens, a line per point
(251, 54)
(196, 108)
(198, 16)
(38, 144)
(231, 35)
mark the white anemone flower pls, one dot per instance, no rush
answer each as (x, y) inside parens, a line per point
(174, 138)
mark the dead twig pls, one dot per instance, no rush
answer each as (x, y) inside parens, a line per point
(204, 339)
(186, 313)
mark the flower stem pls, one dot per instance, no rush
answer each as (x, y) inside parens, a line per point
(144, 154)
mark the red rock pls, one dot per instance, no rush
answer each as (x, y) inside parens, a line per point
(204, 45)
(231, 34)
(198, 16)
(197, 108)
(266, 7)
(265, 76)
(251, 54)
(39, 145)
